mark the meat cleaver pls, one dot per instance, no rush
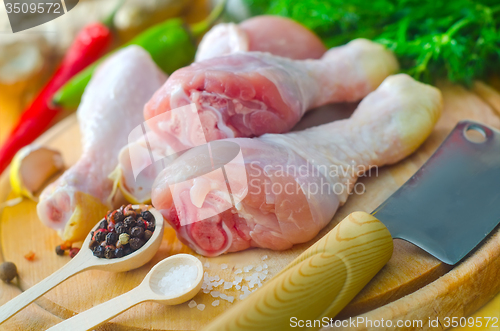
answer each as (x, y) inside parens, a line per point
(446, 208)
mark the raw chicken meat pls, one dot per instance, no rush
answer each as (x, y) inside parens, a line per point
(276, 35)
(294, 182)
(139, 163)
(252, 93)
(111, 107)
(252, 34)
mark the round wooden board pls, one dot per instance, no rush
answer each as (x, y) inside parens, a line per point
(409, 270)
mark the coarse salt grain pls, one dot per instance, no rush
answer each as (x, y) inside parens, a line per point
(178, 279)
(215, 303)
(238, 287)
(207, 265)
(223, 266)
(228, 285)
(227, 298)
(264, 257)
(248, 268)
(201, 307)
(259, 268)
(238, 272)
(192, 304)
(215, 294)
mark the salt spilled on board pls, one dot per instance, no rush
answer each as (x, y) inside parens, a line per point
(178, 279)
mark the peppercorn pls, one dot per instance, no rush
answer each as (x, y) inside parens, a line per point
(103, 224)
(120, 228)
(109, 252)
(147, 235)
(129, 221)
(8, 271)
(66, 245)
(59, 250)
(124, 238)
(99, 251)
(136, 243)
(73, 252)
(129, 211)
(93, 244)
(100, 235)
(137, 232)
(127, 250)
(118, 216)
(141, 223)
(111, 227)
(111, 238)
(147, 216)
(119, 252)
(151, 226)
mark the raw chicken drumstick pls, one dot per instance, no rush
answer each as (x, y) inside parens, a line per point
(245, 95)
(250, 94)
(294, 182)
(110, 109)
(276, 35)
(273, 34)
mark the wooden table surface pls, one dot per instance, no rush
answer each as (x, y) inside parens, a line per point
(36, 318)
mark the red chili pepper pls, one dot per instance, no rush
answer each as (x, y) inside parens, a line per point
(90, 44)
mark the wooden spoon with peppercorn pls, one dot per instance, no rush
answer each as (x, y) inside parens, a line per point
(136, 250)
(172, 281)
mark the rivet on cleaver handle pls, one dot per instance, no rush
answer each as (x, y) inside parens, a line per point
(453, 197)
(453, 201)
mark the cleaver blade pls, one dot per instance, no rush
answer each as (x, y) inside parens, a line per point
(453, 201)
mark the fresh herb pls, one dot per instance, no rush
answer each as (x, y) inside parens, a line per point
(433, 39)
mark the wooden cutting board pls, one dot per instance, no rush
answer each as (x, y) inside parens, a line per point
(410, 271)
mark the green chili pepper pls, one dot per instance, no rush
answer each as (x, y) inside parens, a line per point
(171, 44)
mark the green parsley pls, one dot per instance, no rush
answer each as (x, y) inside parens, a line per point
(454, 39)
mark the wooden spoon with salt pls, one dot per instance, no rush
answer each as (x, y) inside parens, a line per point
(85, 260)
(148, 290)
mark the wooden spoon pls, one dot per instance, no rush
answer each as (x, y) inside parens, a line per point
(85, 260)
(148, 290)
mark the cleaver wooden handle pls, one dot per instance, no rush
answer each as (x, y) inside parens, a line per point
(319, 282)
